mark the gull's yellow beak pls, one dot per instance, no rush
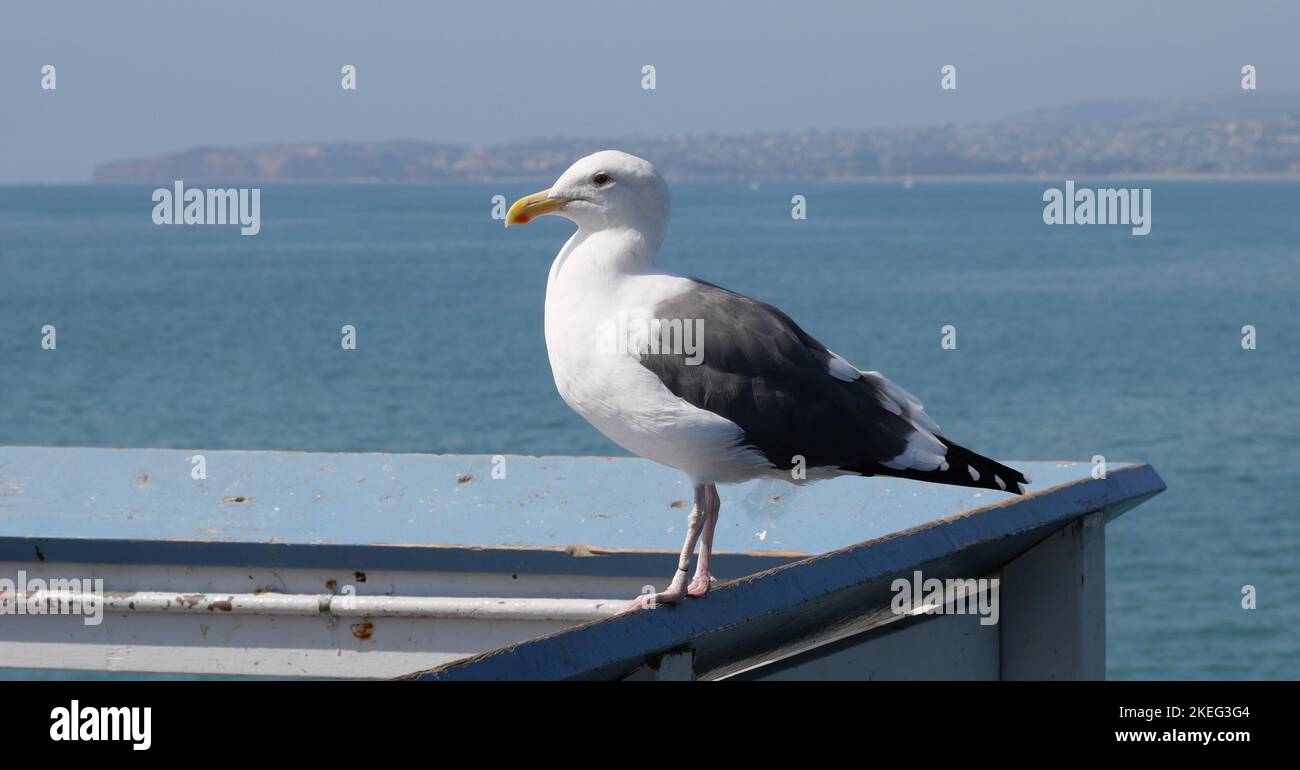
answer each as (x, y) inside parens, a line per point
(529, 207)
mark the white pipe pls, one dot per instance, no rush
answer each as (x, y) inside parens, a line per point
(339, 606)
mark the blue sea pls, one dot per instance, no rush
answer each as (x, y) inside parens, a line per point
(1072, 341)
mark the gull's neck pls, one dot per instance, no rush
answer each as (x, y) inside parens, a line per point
(595, 258)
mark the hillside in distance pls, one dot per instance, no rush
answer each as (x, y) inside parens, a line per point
(1246, 134)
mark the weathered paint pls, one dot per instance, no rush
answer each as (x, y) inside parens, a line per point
(326, 605)
(424, 526)
(285, 645)
(834, 595)
(414, 511)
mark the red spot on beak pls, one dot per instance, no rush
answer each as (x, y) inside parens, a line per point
(523, 219)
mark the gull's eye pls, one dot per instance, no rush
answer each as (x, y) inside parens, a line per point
(600, 178)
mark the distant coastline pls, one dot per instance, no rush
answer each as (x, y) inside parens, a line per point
(1239, 138)
(899, 180)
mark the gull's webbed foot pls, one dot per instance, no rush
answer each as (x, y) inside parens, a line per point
(675, 594)
(700, 585)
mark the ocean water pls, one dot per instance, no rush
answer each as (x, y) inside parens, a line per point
(1072, 342)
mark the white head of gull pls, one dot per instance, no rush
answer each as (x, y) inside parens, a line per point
(720, 386)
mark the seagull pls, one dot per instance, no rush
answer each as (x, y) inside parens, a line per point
(717, 385)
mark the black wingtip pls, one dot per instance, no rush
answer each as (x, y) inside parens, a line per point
(982, 472)
(962, 468)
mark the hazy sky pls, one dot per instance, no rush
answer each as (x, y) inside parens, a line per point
(143, 78)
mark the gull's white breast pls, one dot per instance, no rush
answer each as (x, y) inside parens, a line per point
(612, 390)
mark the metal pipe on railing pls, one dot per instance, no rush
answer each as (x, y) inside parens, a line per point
(330, 605)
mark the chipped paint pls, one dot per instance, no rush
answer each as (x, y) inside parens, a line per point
(306, 512)
(845, 591)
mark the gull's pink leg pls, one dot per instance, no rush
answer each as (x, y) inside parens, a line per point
(703, 579)
(677, 589)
